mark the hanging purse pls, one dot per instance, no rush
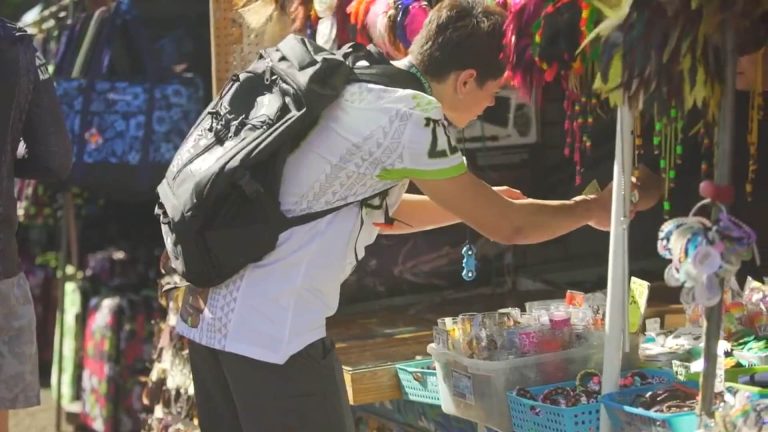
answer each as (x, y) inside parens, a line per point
(124, 133)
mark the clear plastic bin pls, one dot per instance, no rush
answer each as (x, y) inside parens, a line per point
(477, 389)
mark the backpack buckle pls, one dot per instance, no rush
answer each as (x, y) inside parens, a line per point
(162, 213)
(251, 188)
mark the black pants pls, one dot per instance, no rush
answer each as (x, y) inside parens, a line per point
(239, 394)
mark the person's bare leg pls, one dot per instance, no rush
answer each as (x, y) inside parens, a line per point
(3, 421)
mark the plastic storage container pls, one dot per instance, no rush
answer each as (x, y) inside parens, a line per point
(477, 389)
(625, 418)
(532, 416)
(417, 382)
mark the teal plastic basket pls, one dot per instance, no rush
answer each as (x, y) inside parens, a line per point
(629, 419)
(417, 382)
(532, 416)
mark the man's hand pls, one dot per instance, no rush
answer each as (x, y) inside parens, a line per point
(510, 193)
(647, 189)
(601, 208)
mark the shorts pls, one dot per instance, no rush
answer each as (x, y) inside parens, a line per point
(19, 374)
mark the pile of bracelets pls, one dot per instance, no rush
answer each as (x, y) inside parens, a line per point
(673, 399)
(586, 390)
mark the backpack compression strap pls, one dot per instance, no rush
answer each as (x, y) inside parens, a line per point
(388, 76)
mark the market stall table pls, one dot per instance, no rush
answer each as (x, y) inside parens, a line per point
(372, 339)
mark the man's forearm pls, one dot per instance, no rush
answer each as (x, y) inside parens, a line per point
(418, 213)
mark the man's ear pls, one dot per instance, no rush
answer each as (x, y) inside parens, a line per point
(464, 81)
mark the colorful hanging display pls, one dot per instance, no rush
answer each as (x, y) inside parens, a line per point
(663, 58)
(702, 252)
(522, 70)
(563, 27)
(666, 58)
(358, 12)
(391, 25)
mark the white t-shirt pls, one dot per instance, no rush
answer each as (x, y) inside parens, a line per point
(372, 138)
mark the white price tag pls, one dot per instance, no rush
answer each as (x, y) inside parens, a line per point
(462, 386)
(762, 330)
(720, 375)
(653, 325)
(440, 336)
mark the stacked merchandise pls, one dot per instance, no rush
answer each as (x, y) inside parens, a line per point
(705, 255)
(169, 393)
(480, 357)
(117, 340)
(509, 333)
(390, 25)
(106, 340)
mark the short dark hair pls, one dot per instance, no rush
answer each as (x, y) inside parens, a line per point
(460, 35)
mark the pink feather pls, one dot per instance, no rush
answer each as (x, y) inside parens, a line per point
(522, 70)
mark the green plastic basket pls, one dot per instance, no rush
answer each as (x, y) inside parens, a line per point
(732, 376)
(417, 382)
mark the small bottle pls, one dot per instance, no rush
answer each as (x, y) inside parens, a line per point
(560, 323)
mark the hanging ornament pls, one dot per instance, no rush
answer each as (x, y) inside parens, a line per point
(668, 145)
(704, 252)
(704, 133)
(408, 18)
(637, 133)
(755, 113)
(563, 26)
(469, 261)
(358, 12)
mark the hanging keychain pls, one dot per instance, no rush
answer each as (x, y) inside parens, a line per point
(469, 262)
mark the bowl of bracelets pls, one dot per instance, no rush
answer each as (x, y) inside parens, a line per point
(572, 406)
(658, 408)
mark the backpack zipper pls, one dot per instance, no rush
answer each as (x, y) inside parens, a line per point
(268, 78)
(212, 113)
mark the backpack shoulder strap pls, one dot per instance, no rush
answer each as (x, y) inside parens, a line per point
(378, 69)
(388, 75)
(302, 219)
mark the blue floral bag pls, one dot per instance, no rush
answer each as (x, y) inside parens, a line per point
(125, 133)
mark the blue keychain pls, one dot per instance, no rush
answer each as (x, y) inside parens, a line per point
(469, 262)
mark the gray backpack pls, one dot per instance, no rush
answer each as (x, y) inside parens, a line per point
(218, 203)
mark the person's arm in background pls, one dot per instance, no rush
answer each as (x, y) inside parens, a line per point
(419, 213)
(47, 151)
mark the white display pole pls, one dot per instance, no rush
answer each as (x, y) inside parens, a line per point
(618, 269)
